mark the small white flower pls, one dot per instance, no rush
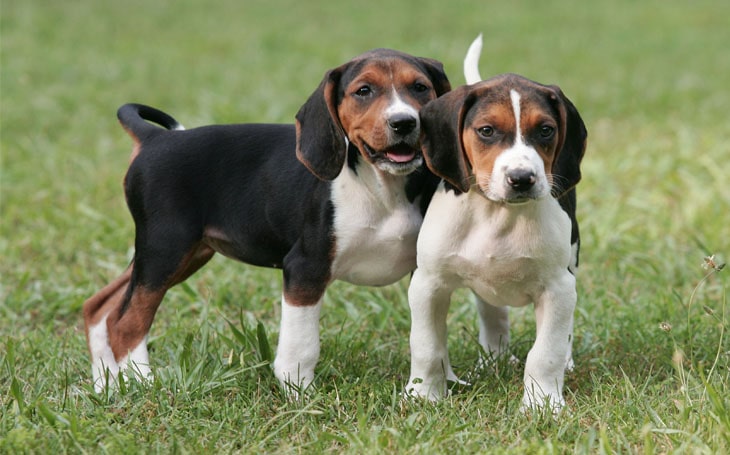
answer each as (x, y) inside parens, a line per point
(709, 262)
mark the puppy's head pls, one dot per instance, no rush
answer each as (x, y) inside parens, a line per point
(371, 102)
(513, 138)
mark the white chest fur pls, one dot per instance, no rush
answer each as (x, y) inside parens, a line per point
(505, 254)
(376, 227)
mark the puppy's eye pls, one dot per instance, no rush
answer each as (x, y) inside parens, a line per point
(363, 91)
(485, 131)
(547, 131)
(420, 88)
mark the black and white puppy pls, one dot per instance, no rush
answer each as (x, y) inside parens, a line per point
(338, 196)
(502, 223)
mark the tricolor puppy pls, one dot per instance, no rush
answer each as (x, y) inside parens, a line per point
(501, 224)
(338, 196)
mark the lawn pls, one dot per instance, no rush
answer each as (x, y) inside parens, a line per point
(652, 82)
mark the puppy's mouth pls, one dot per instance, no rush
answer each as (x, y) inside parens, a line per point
(507, 196)
(398, 159)
(519, 200)
(401, 153)
(513, 198)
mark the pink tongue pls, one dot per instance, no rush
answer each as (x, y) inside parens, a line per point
(398, 157)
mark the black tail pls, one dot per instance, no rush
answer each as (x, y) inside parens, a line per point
(134, 118)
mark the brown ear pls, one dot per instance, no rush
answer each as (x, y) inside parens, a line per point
(321, 145)
(441, 123)
(572, 145)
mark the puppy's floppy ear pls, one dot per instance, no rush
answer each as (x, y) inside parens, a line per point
(571, 145)
(442, 121)
(435, 71)
(321, 145)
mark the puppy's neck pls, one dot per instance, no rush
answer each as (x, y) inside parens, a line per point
(509, 213)
(381, 186)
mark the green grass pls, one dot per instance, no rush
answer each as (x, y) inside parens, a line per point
(651, 344)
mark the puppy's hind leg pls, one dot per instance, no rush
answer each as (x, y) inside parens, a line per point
(118, 318)
(96, 311)
(129, 327)
(493, 328)
(114, 344)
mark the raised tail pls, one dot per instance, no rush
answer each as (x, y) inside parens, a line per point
(471, 61)
(135, 119)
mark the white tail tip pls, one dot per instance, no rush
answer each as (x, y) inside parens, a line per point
(471, 61)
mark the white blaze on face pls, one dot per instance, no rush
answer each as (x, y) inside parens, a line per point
(399, 107)
(515, 97)
(520, 156)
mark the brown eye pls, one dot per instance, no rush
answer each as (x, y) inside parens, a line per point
(420, 88)
(363, 91)
(485, 131)
(547, 131)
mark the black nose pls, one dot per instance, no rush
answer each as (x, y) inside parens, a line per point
(521, 180)
(402, 124)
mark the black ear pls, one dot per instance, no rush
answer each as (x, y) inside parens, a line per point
(566, 168)
(321, 143)
(441, 123)
(435, 71)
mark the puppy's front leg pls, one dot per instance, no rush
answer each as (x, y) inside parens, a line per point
(298, 350)
(430, 368)
(545, 365)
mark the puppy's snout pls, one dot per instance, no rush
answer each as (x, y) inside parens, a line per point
(521, 179)
(402, 124)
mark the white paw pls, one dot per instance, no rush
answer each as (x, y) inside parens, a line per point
(569, 365)
(139, 370)
(294, 380)
(490, 363)
(539, 402)
(431, 390)
(107, 377)
(104, 376)
(104, 367)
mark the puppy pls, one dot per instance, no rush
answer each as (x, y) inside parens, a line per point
(502, 223)
(338, 196)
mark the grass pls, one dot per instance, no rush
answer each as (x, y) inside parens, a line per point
(651, 345)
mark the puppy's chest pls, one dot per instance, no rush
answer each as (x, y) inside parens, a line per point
(508, 259)
(502, 279)
(375, 234)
